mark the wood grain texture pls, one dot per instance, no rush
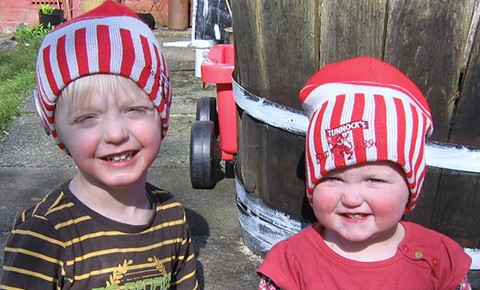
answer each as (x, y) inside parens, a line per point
(280, 44)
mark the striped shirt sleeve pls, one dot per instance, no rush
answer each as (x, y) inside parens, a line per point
(33, 256)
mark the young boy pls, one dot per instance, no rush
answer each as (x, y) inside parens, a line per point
(365, 167)
(104, 94)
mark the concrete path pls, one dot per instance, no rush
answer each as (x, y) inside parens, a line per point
(31, 165)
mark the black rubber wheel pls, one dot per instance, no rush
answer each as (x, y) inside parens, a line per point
(229, 168)
(204, 155)
(207, 111)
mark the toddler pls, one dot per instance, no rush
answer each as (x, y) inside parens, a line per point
(365, 167)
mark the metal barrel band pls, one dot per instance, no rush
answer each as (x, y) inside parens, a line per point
(438, 154)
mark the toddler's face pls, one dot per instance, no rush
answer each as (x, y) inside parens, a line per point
(113, 135)
(361, 203)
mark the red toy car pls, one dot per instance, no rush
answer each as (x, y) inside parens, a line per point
(214, 133)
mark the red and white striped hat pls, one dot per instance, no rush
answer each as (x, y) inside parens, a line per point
(109, 39)
(365, 110)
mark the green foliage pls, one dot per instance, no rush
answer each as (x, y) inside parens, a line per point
(29, 38)
(46, 9)
(13, 65)
(17, 72)
(12, 93)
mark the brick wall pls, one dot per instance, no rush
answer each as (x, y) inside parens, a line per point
(15, 12)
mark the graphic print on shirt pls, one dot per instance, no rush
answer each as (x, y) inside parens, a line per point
(152, 276)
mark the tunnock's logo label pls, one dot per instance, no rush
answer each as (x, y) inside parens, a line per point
(347, 127)
(340, 139)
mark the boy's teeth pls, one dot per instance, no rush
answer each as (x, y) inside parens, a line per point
(119, 158)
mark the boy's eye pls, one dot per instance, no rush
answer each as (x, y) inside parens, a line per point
(138, 111)
(85, 120)
(134, 109)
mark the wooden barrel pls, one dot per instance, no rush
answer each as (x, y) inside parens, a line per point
(280, 44)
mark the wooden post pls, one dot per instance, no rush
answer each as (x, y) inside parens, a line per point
(280, 44)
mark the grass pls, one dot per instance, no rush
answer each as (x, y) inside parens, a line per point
(17, 73)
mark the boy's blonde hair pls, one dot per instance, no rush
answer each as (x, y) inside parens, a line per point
(79, 92)
(109, 39)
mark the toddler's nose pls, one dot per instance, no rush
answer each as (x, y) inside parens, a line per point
(352, 196)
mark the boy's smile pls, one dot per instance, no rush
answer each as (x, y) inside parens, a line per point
(119, 158)
(113, 135)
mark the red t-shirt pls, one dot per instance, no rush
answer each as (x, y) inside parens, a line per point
(425, 260)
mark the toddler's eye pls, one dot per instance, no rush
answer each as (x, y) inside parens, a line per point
(375, 180)
(332, 178)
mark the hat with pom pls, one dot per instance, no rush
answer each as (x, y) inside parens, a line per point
(365, 110)
(109, 39)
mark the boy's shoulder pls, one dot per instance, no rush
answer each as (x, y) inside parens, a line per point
(60, 206)
(160, 196)
(167, 206)
(51, 203)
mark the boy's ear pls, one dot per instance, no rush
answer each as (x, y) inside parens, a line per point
(39, 112)
(61, 144)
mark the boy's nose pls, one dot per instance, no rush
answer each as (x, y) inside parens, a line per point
(115, 131)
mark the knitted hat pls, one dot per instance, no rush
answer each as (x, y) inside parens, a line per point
(109, 39)
(365, 110)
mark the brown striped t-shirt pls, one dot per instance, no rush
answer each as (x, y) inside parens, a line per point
(62, 244)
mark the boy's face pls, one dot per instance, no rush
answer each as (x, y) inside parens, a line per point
(113, 138)
(361, 204)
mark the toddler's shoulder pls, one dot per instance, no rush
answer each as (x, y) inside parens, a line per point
(307, 238)
(418, 234)
(445, 257)
(422, 243)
